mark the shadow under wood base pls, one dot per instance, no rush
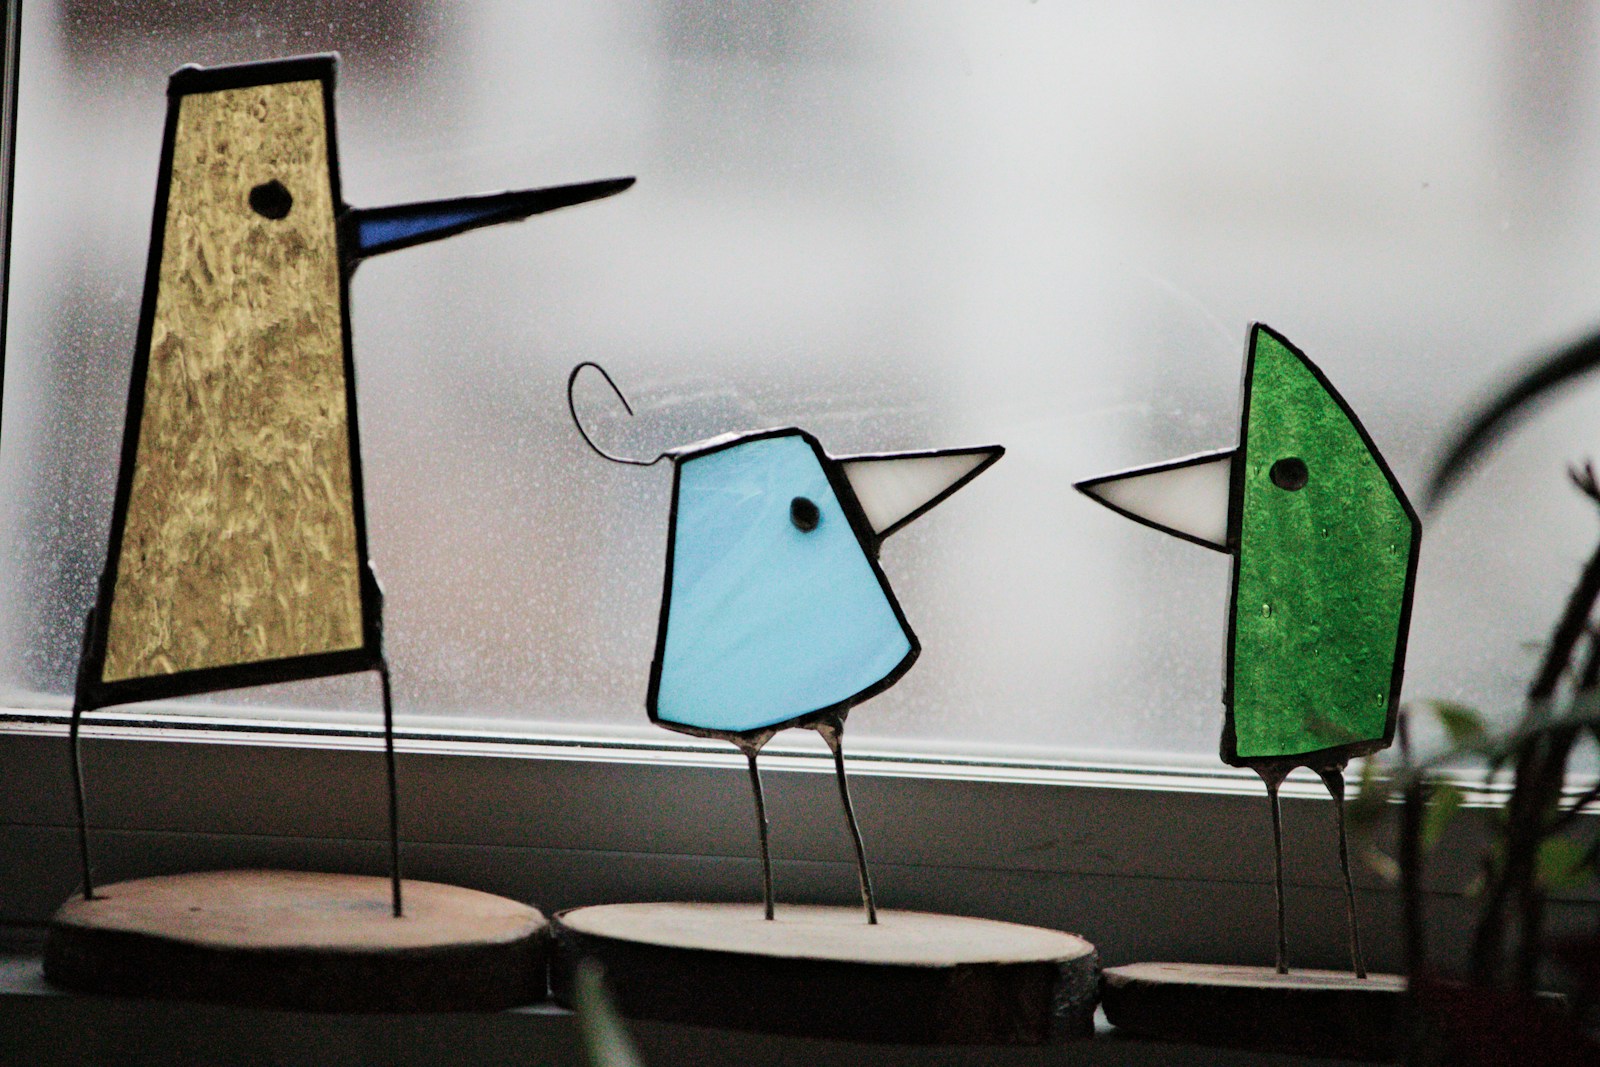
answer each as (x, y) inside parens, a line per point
(914, 978)
(1326, 1013)
(290, 939)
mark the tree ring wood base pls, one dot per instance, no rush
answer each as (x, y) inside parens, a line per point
(312, 942)
(1329, 1013)
(914, 978)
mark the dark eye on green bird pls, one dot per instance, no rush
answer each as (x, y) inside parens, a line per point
(804, 514)
(271, 200)
(1290, 473)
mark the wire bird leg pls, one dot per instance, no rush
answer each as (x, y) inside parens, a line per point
(751, 750)
(1272, 775)
(1333, 777)
(832, 731)
(79, 706)
(78, 796)
(394, 791)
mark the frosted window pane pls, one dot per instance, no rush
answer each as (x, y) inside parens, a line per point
(899, 226)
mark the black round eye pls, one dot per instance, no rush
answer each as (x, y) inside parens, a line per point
(804, 514)
(271, 200)
(1290, 474)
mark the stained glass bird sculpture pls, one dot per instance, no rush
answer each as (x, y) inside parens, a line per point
(1324, 546)
(775, 612)
(238, 551)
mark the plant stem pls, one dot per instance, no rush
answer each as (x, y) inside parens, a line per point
(1540, 758)
(1545, 786)
(1573, 625)
(1413, 923)
(1577, 807)
(1414, 803)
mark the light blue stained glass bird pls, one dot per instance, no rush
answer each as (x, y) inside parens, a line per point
(775, 612)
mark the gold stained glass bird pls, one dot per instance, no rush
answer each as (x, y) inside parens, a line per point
(238, 551)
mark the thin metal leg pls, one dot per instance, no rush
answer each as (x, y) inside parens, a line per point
(750, 754)
(77, 792)
(833, 734)
(1273, 777)
(394, 792)
(1333, 778)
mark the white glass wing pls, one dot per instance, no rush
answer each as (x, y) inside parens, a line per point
(894, 489)
(1187, 497)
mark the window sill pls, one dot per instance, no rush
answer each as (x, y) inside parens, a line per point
(45, 1027)
(1148, 864)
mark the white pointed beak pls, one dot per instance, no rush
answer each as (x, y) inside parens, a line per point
(1185, 497)
(894, 488)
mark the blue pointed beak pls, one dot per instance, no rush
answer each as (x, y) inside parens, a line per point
(373, 231)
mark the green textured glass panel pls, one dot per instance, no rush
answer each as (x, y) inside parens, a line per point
(1323, 571)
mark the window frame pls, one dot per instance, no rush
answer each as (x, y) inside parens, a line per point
(1148, 862)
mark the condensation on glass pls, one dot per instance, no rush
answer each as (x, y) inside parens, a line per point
(1030, 223)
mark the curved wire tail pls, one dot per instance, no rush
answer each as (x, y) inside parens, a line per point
(572, 409)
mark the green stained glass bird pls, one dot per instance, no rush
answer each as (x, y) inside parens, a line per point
(1324, 544)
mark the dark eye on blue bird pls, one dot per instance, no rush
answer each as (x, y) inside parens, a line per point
(271, 200)
(1290, 474)
(804, 514)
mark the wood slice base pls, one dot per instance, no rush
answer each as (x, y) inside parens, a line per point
(288, 939)
(1329, 1013)
(914, 978)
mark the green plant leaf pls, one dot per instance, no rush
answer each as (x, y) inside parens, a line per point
(1444, 800)
(1463, 725)
(1583, 711)
(1494, 857)
(1563, 863)
(1381, 863)
(1367, 806)
(1534, 382)
(605, 1038)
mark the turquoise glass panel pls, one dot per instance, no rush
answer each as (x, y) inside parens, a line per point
(1325, 546)
(767, 621)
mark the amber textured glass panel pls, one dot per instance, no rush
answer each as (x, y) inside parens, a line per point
(239, 542)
